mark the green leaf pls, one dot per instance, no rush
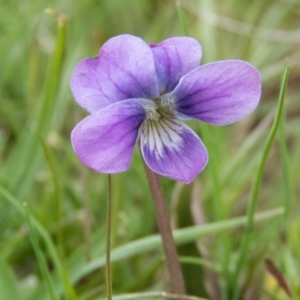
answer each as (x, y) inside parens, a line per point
(9, 289)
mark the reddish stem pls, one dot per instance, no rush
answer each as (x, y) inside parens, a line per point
(163, 222)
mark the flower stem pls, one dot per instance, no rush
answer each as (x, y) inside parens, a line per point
(163, 222)
(108, 233)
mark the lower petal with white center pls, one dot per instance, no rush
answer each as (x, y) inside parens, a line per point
(105, 141)
(172, 149)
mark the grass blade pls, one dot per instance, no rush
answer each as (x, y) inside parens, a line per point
(8, 284)
(39, 255)
(285, 167)
(181, 237)
(245, 243)
(69, 290)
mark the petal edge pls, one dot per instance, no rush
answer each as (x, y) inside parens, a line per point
(105, 141)
(124, 69)
(219, 93)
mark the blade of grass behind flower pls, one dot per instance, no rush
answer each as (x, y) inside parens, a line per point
(52, 78)
(238, 170)
(181, 237)
(199, 261)
(26, 155)
(154, 295)
(78, 269)
(285, 166)
(69, 290)
(182, 208)
(39, 255)
(151, 269)
(209, 36)
(245, 243)
(182, 17)
(37, 226)
(9, 288)
(254, 139)
(223, 244)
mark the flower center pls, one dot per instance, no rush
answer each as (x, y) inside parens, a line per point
(162, 130)
(163, 107)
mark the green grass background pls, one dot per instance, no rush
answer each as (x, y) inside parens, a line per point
(58, 250)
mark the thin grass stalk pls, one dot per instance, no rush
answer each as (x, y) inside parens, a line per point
(164, 226)
(108, 235)
(245, 243)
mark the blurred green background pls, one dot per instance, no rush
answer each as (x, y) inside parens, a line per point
(66, 201)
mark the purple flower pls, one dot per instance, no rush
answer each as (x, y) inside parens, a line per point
(135, 90)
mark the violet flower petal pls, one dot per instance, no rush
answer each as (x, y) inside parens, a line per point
(172, 149)
(174, 58)
(219, 93)
(123, 69)
(105, 141)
